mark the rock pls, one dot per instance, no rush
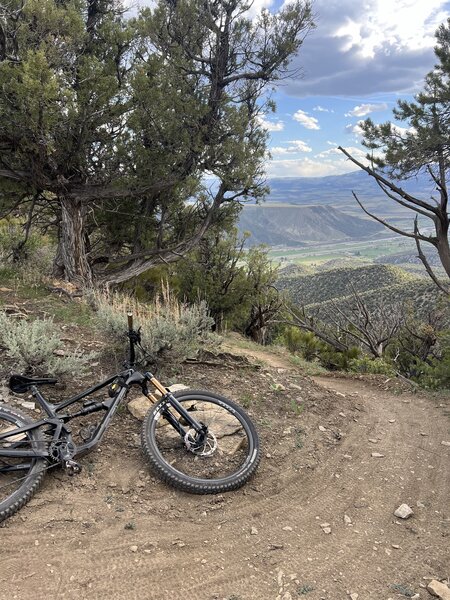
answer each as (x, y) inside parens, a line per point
(177, 387)
(326, 528)
(403, 511)
(322, 428)
(377, 455)
(354, 596)
(133, 548)
(254, 531)
(287, 528)
(341, 414)
(391, 420)
(139, 407)
(436, 588)
(445, 443)
(373, 441)
(347, 520)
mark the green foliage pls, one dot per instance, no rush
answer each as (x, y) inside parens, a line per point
(236, 284)
(31, 345)
(337, 361)
(310, 347)
(374, 366)
(111, 123)
(435, 373)
(304, 342)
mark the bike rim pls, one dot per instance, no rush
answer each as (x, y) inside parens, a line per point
(229, 436)
(14, 472)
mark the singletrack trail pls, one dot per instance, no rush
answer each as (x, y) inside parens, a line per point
(316, 522)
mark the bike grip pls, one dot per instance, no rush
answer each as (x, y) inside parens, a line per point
(130, 321)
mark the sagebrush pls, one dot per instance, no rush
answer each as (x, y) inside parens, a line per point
(31, 346)
(169, 328)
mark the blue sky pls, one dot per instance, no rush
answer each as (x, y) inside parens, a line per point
(362, 57)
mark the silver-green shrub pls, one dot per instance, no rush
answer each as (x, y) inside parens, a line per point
(31, 346)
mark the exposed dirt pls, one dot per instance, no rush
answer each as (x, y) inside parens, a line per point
(316, 521)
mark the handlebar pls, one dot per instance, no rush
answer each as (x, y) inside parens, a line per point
(130, 321)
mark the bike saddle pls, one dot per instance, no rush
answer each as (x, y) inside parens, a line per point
(21, 384)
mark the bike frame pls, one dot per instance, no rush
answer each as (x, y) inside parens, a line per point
(56, 419)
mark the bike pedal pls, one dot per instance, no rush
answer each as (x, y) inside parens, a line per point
(72, 467)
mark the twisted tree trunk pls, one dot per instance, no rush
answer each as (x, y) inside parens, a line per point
(71, 262)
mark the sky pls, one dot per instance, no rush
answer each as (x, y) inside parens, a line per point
(361, 58)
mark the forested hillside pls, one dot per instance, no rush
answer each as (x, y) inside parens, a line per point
(338, 283)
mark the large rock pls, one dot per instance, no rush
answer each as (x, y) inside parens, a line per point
(436, 588)
(140, 406)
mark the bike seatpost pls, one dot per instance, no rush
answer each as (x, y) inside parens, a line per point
(132, 340)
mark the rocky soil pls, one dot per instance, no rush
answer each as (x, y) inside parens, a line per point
(317, 521)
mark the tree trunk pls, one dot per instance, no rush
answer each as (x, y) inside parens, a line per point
(71, 261)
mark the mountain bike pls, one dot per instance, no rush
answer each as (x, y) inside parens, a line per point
(198, 441)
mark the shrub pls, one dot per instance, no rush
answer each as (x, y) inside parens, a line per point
(31, 346)
(304, 342)
(169, 327)
(374, 366)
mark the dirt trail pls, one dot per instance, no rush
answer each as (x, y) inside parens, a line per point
(115, 532)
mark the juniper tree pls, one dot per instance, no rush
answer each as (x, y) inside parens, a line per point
(109, 124)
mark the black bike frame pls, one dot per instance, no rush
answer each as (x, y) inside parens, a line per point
(124, 381)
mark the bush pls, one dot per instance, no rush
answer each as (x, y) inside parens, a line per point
(304, 342)
(169, 328)
(374, 366)
(31, 346)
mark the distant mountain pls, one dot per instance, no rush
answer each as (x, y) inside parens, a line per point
(336, 190)
(299, 225)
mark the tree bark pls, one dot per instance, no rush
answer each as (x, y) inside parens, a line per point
(71, 261)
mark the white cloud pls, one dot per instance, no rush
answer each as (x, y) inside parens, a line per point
(322, 109)
(365, 109)
(402, 24)
(355, 128)
(295, 146)
(271, 125)
(363, 48)
(304, 119)
(307, 167)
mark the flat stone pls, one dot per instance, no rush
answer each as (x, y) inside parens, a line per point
(404, 511)
(436, 588)
(377, 455)
(139, 407)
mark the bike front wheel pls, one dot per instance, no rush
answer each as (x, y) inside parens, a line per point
(19, 477)
(227, 457)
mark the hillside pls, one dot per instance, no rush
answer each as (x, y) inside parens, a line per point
(336, 283)
(296, 225)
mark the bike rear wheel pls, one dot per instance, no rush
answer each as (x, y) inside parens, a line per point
(19, 477)
(225, 460)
